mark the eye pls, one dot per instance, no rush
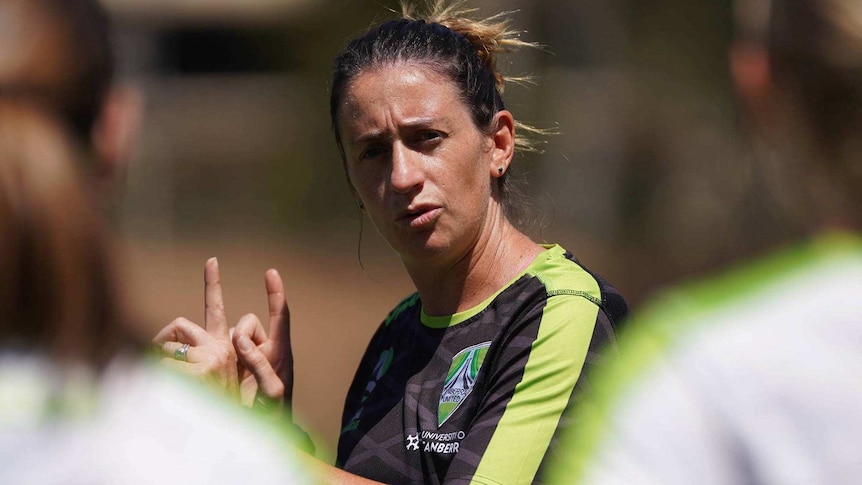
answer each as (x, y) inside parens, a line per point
(373, 152)
(424, 140)
(429, 135)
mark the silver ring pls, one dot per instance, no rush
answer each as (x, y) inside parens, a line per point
(180, 353)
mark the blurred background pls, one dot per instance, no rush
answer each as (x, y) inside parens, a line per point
(649, 180)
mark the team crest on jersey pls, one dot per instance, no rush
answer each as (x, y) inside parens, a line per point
(460, 379)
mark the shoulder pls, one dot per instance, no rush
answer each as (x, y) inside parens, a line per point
(673, 359)
(769, 292)
(777, 295)
(148, 423)
(200, 434)
(398, 325)
(397, 321)
(411, 302)
(561, 274)
(565, 309)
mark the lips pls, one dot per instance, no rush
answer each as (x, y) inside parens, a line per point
(420, 217)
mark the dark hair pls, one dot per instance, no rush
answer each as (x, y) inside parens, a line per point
(429, 44)
(63, 56)
(461, 49)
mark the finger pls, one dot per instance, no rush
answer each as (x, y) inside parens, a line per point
(170, 348)
(256, 362)
(279, 313)
(215, 320)
(183, 331)
(249, 326)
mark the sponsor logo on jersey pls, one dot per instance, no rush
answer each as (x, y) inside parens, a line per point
(460, 379)
(444, 443)
(433, 442)
(413, 442)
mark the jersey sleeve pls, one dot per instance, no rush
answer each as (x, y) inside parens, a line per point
(357, 392)
(530, 383)
(374, 362)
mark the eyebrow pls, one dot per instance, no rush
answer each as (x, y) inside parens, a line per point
(413, 123)
(368, 137)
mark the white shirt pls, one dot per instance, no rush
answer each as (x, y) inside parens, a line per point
(140, 425)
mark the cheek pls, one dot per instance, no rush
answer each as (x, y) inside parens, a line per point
(480, 160)
(365, 184)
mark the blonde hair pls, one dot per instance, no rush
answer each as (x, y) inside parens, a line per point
(491, 37)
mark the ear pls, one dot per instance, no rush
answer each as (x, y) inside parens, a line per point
(503, 138)
(116, 130)
(751, 72)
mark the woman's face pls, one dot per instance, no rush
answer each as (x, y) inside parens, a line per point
(418, 163)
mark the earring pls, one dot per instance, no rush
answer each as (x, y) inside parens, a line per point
(500, 170)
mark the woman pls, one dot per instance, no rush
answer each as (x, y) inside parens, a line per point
(754, 375)
(470, 377)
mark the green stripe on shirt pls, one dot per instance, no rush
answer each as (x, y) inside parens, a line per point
(543, 393)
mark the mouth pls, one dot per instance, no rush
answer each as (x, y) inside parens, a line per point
(420, 217)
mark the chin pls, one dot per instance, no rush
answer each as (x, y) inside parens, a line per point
(422, 247)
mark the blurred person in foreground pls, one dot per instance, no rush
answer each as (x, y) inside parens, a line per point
(755, 377)
(79, 403)
(470, 378)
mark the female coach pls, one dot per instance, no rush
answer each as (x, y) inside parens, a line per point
(470, 377)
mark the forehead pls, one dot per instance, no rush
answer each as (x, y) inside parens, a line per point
(398, 93)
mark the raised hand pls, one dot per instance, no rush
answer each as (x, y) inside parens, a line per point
(266, 361)
(210, 353)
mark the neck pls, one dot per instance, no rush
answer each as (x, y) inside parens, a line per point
(462, 282)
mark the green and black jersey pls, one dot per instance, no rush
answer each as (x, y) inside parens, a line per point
(481, 395)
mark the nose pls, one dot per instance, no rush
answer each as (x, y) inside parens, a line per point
(407, 169)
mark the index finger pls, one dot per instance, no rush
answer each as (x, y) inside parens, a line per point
(279, 313)
(215, 321)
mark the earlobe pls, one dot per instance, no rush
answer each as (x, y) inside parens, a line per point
(504, 143)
